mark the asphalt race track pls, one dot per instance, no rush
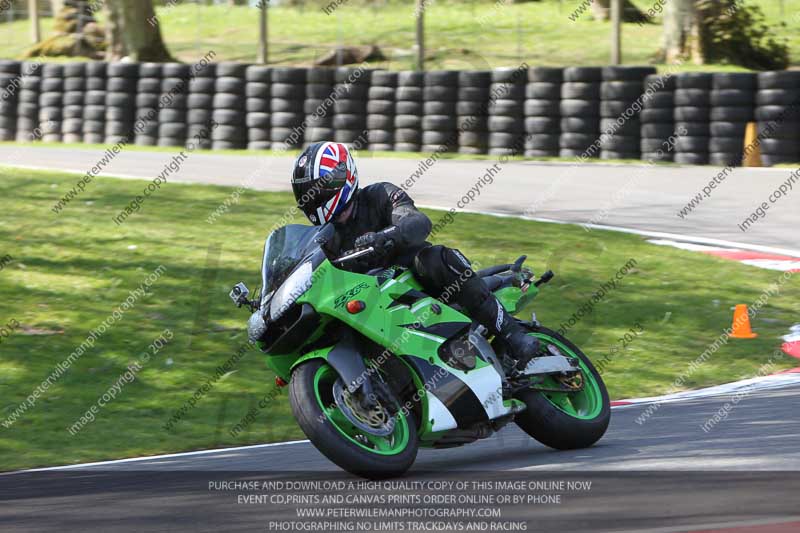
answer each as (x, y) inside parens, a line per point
(665, 474)
(631, 196)
(662, 474)
(672, 439)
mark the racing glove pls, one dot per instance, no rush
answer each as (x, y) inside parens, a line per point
(379, 240)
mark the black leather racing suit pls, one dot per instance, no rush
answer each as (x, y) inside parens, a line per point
(442, 271)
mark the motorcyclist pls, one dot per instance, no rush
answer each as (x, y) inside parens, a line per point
(383, 216)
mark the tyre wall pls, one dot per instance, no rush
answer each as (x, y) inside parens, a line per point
(542, 112)
(693, 117)
(9, 78)
(657, 119)
(777, 104)
(576, 112)
(580, 112)
(733, 97)
(620, 111)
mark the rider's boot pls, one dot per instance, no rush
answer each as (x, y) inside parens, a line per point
(487, 310)
(524, 347)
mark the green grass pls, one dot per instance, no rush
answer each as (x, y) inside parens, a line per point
(459, 35)
(70, 271)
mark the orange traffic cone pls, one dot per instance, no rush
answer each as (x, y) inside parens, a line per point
(741, 324)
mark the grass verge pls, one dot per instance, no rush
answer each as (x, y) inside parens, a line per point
(459, 35)
(63, 275)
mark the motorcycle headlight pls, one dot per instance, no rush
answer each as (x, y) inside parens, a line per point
(256, 327)
(293, 288)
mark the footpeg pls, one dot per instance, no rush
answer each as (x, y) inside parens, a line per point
(523, 362)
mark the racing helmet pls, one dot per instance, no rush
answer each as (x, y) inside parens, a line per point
(324, 181)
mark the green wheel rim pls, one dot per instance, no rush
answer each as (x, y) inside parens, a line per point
(392, 444)
(586, 404)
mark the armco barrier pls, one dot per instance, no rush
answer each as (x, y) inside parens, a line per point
(576, 112)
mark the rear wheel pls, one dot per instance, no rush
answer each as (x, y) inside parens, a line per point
(317, 399)
(566, 420)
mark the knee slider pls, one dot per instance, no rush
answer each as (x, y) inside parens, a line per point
(455, 261)
(440, 265)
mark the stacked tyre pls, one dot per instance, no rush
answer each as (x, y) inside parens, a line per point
(9, 97)
(148, 92)
(94, 108)
(658, 119)
(287, 93)
(733, 98)
(120, 110)
(778, 116)
(692, 117)
(580, 112)
(257, 122)
(439, 94)
(542, 114)
(200, 107)
(172, 113)
(350, 108)
(318, 106)
(74, 96)
(28, 102)
(408, 112)
(506, 121)
(622, 93)
(230, 131)
(472, 111)
(380, 110)
(51, 102)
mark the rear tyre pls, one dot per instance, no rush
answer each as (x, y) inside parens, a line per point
(566, 421)
(314, 407)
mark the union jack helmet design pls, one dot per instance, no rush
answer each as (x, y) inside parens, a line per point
(324, 181)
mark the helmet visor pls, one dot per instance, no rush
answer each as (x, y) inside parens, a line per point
(334, 179)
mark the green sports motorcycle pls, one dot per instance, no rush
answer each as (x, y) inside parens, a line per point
(376, 368)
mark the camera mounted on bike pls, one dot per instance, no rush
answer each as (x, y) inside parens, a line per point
(239, 295)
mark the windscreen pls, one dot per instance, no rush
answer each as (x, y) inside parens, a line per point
(284, 249)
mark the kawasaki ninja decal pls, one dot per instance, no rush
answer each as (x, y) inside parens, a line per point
(349, 295)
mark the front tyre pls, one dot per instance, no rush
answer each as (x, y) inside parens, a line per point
(566, 420)
(311, 395)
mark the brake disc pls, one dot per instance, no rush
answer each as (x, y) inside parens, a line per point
(375, 421)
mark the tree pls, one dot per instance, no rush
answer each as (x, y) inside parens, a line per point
(630, 13)
(133, 31)
(720, 31)
(682, 36)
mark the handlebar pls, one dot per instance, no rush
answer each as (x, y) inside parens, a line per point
(362, 252)
(353, 254)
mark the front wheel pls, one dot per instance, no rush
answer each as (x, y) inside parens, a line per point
(566, 420)
(313, 395)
